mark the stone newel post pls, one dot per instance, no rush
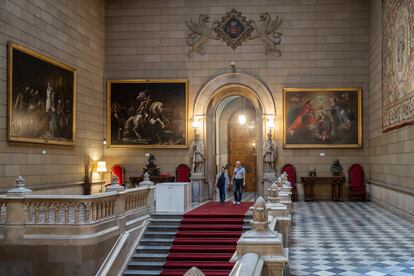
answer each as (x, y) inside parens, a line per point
(15, 218)
(264, 241)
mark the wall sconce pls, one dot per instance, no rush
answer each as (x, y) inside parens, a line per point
(242, 119)
(270, 123)
(196, 124)
(101, 168)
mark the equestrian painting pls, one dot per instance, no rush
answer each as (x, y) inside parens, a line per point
(147, 113)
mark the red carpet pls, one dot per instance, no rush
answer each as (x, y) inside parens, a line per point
(207, 239)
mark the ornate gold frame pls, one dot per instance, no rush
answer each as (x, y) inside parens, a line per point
(11, 47)
(316, 146)
(108, 112)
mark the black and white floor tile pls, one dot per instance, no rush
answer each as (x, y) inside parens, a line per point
(350, 238)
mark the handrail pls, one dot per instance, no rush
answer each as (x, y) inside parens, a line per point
(250, 264)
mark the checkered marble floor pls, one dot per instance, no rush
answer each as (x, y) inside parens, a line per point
(350, 238)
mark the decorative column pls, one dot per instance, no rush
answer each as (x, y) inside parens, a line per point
(16, 216)
(148, 183)
(264, 241)
(280, 212)
(284, 197)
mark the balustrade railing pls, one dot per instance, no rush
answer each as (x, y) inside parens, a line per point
(30, 211)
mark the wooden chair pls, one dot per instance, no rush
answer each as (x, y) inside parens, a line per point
(119, 171)
(356, 184)
(182, 173)
(291, 171)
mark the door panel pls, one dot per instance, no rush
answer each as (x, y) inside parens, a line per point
(242, 141)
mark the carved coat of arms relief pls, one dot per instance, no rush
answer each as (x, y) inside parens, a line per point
(234, 29)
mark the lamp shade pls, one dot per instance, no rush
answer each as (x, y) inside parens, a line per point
(101, 166)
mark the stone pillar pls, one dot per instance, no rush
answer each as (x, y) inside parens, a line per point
(15, 215)
(198, 187)
(148, 183)
(268, 179)
(280, 212)
(264, 241)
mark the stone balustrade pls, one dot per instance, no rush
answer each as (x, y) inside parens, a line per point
(27, 218)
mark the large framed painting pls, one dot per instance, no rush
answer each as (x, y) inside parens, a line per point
(41, 98)
(147, 113)
(322, 118)
(397, 64)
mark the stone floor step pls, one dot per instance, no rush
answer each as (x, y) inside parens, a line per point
(145, 265)
(152, 249)
(162, 228)
(156, 241)
(142, 272)
(154, 257)
(152, 234)
(166, 216)
(165, 221)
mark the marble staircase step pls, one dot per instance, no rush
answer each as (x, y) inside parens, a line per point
(145, 265)
(142, 272)
(155, 235)
(154, 249)
(156, 241)
(153, 257)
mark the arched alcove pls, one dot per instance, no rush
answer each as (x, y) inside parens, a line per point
(205, 106)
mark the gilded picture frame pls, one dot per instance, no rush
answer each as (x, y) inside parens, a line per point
(322, 117)
(41, 98)
(147, 113)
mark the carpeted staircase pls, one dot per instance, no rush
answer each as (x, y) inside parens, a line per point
(207, 238)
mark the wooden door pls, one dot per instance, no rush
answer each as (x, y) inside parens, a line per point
(242, 145)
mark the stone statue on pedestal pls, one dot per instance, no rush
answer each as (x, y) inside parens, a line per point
(270, 154)
(197, 155)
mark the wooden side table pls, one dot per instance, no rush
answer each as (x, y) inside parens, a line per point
(335, 181)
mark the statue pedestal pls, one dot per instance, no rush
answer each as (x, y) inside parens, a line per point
(198, 187)
(268, 179)
(283, 219)
(114, 188)
(269, 245)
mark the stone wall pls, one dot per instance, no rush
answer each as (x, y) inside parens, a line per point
(325, 43)
(73, 33)
(391, 154)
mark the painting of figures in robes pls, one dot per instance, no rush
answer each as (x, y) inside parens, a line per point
(322, 118)
(147, 113)
(41, 98)
(397, 64)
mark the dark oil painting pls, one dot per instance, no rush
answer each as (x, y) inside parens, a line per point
(147, 113)
(41, 98)
(322, 118)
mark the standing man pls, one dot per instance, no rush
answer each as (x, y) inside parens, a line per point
(238, 179)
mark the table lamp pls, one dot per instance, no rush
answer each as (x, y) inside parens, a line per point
(101, 168)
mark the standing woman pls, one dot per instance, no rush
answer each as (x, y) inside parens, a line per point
(222, 182)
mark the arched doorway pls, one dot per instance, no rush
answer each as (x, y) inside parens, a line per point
(206, 105)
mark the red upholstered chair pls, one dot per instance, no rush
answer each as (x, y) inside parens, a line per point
(356, 183)
(119, 171)
(291, 171)
(182, 173)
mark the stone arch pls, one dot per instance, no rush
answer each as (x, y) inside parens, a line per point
(205, 106)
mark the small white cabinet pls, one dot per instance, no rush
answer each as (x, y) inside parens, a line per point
(172, 197)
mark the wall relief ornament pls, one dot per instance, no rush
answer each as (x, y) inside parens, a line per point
(234, 29)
